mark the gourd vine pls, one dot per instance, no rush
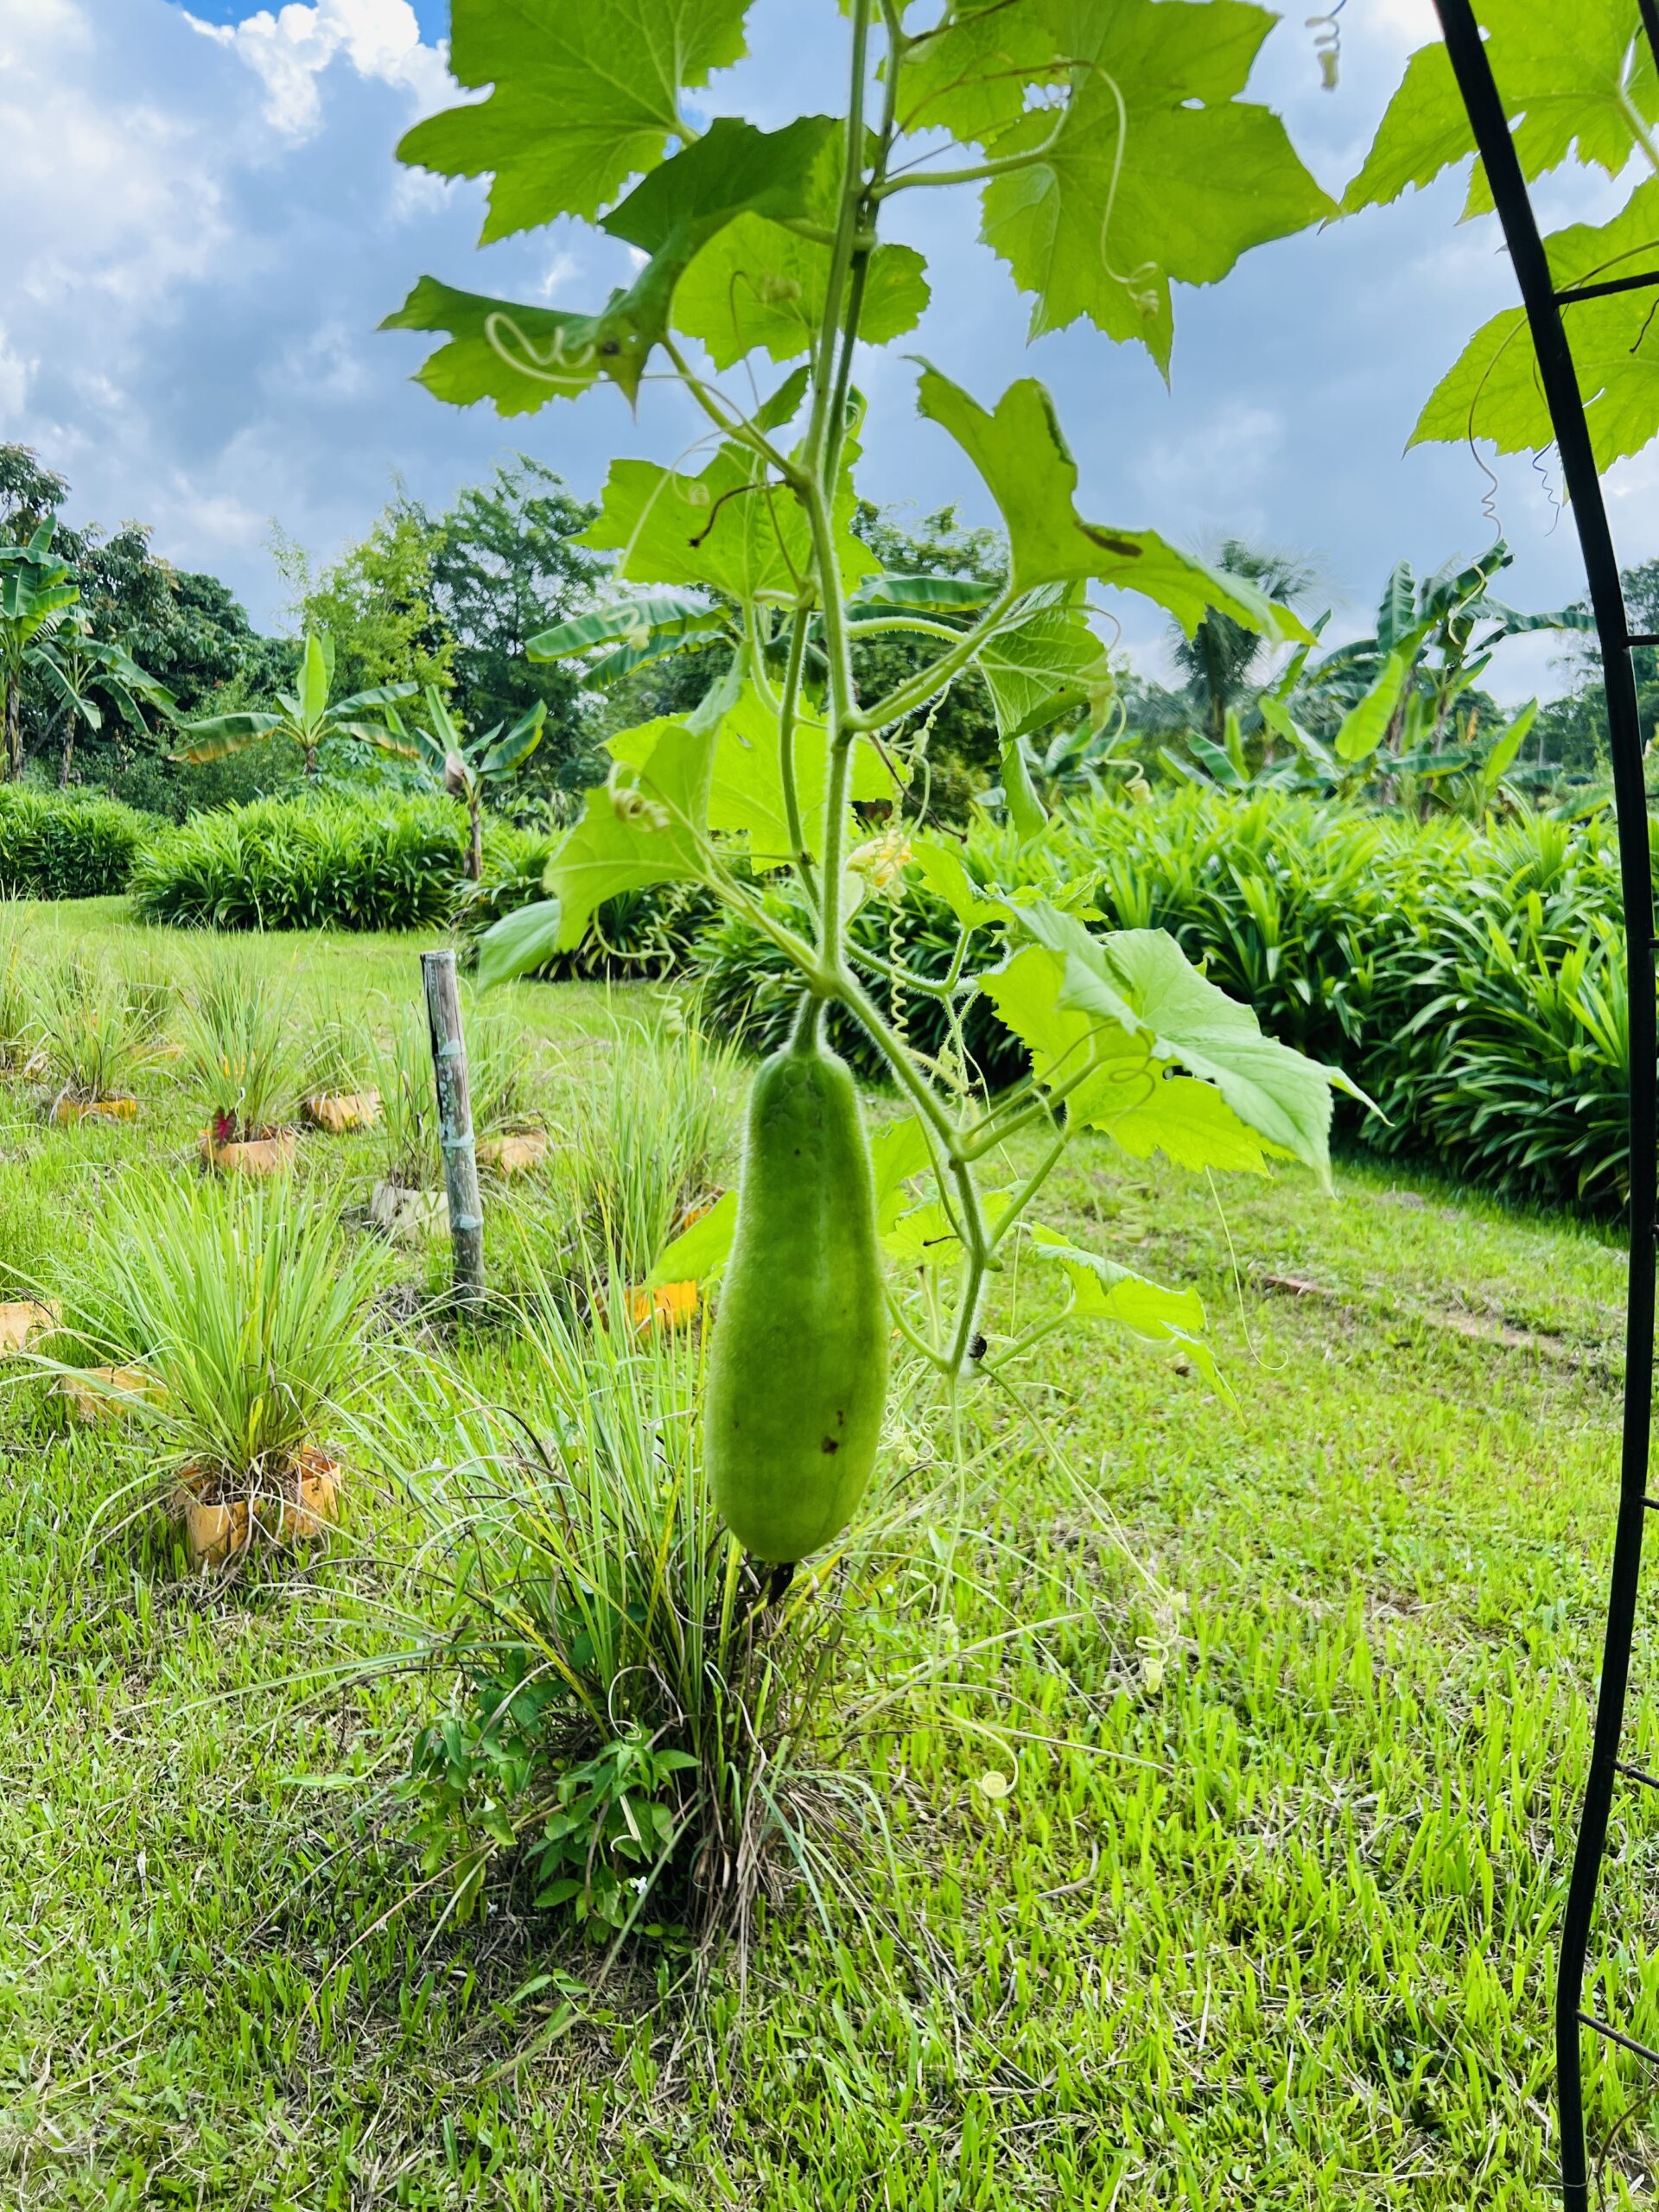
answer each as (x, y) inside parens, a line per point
(1114, 157)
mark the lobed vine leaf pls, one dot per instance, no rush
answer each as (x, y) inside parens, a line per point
(1569, 78)
(759, 284)
(1103, 1291)
(644, 826)
(1020, 452)
(520, 357)
(898, 1149)
(1046, 664)
(1492, 389)
(732, 529)
(1155, 171)
(943, 870)
(581, 98)
(703, 1250)
(746, 788)
(517, 357)
(1124, 1016)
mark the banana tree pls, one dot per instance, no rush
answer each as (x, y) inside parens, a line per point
(1405, 681)
(82, 670)
(470, 770)
(307, 715)
(36, 591)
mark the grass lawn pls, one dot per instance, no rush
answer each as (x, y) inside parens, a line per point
(1257, 1909)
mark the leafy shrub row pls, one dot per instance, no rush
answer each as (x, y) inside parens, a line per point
(61, 845)
(293, 864)
(1469, 981)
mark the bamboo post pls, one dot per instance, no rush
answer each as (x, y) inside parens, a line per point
(455, 1123)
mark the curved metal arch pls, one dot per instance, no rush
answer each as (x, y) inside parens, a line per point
(1544, 305)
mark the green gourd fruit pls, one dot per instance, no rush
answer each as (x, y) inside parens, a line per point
(797, 1366)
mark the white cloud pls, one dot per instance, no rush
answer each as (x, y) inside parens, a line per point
(1210, 469)
(14, 383)
(289, 52)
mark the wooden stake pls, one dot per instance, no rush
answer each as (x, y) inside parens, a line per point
(455, 1123)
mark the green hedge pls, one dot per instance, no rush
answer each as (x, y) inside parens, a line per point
(62, 845)
(292, 864)
(1469, 980)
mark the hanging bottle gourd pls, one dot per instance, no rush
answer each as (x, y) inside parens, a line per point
(797, 1371)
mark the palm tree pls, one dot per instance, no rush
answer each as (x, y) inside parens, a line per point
(1220, 660)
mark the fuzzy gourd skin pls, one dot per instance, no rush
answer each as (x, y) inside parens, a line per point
(798, 1368)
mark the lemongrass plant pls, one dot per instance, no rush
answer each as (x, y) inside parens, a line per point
(651, 1137)
(246, 1313)
(98, 1031)
(242, 1054)
(337, 1055)
(636, 1725)
(20, 1002)
(398, 1063)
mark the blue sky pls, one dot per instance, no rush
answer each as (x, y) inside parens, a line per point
(206, 222)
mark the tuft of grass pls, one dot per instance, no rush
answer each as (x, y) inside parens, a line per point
(99, 1030)
(20, 1000)
(248, 1311)
(398, 1063)
(636, 1732)
(653, 1133)
(243, 1053)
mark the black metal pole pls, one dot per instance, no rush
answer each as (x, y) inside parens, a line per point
(1472, 70)
(455, 1123)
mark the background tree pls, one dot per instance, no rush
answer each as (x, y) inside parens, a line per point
(375, 602)
(1571, 732)
(505, 565)
(1222, 664)
(962, 741)
(29, 492)
(87, 673)
(38, 589)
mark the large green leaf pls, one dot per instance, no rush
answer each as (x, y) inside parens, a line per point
(703, 1250)
(731, 529)
(511, 750)
(1045, 665)
(1282, 1096)
(1568, 77)
(898, 1149)
(519, 942)
(1365, 724)
(585, 93)
(643, 625)
(216, 736)
(758, 285)
(1021, 453)
(639, 828)
(1130, 1019)
(746, 788)
(1103, 1291)
(1492, 389)
(522, 356)
(941, 867)
(1396, 614)
(1155, 172)
(517, 357)
(888, 594)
